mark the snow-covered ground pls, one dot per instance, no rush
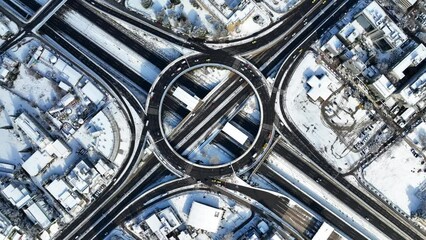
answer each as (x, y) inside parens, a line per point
(210, 155)
(167, 49)
(397, 174)
(309, 186)
(130, 58)
(213, 19)
(41, 91)
(118, 234)
(307, 116)
(41, 2)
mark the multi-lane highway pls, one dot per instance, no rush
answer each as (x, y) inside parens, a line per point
(295, 31)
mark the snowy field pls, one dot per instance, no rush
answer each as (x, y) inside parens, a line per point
(308, 118)
(41, 91)
(164, 48)
(130, 58)
(397, 174)
(308, 185)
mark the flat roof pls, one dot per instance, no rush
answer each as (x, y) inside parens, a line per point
(204, 217)
(414, 58)
(384, 86)
(39, 216)
(92, 92)
(183, 96)
(324, 232)
(319, 87)
(235, 133)
(61, 192)
(36, 163)
(18, 197)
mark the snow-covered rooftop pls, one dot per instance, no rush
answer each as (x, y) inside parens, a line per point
(235, 133)
(383, 87)
(58, 148)
(61, 192)
(351, 31)
(205, 217)
(189, 100)
(380, 20)
(324, 232)
(34, 164)
(33, 130)
(93, 93)
(413, 93)
(37, 215)
(413, 59)
(319, 87)
(17, 196)
(334, 46)
(418, 136)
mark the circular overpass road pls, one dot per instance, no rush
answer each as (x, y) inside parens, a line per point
(179, 67)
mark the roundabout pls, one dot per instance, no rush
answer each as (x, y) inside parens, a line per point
(208, 115)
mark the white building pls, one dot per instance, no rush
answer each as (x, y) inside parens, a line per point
(413, 59)
(104, 169)
(235, 133)
(418, 136)
(186, 98)
(58, 149)
(334, 46)
(65, 196)
(414, 92)
(36, 162)
(18, 196)
(37, 215)
(85, 180)
(93, 93)
(324, 232)
(319, 89)
(4, 31)
(380, 28)
(33, 130)
(205, 217)
(351, 32)
(163, 223)
(383, 87)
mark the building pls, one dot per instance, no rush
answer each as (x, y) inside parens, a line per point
(164, 222)
(5, 227)
(61, 191)
(235, 133)
(384, 33)
(17, 195)
(418, 136)
(37, 215)
(382, 87)
(36, 163)
(33, 130)
(319, 90)
(93, 93)
(413, 92)
(189, 100)
(412, 59)
(334, 46)
(323, 232)
(351, 32)
(204, 217)
(405, 4)
(104, 169)
(85, 180)
(58, 149)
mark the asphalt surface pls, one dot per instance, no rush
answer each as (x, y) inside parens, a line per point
(309, 202)
(156, 100)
